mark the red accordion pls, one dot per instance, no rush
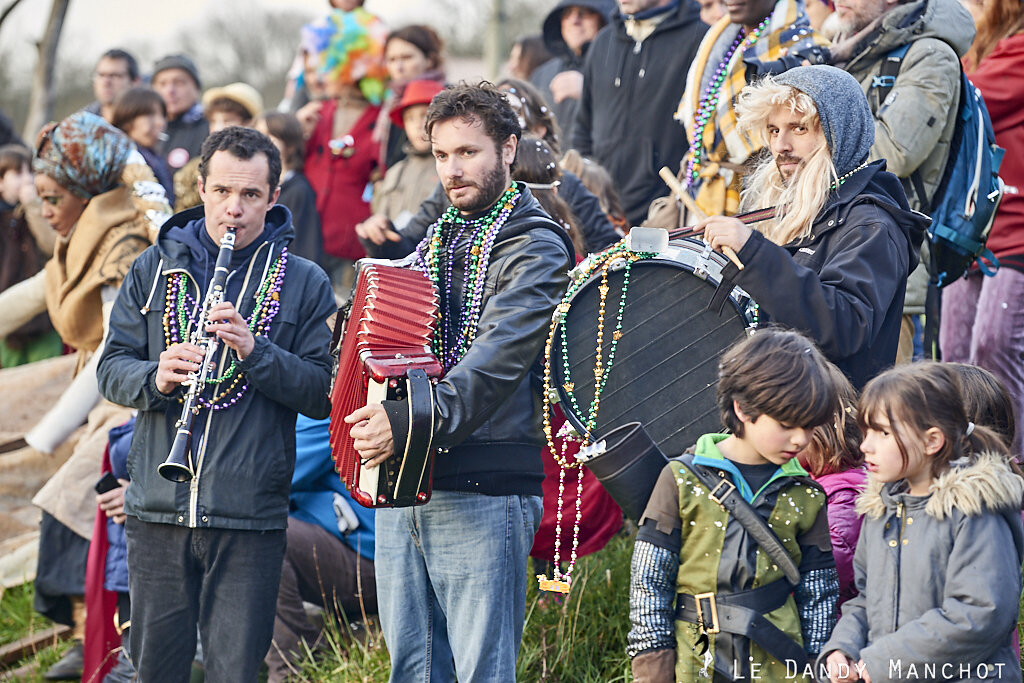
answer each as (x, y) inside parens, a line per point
(386, 354)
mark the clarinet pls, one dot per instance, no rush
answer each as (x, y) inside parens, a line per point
(178, 465)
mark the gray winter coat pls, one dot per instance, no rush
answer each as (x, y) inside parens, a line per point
(939, 578)
(914, 125)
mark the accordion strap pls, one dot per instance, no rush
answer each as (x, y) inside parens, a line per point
(420, 437)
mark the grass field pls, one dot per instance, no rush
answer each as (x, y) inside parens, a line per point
(578, 639)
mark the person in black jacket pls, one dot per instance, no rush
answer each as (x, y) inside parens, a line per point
(210, 550)
(834, 260)
(568, 31)
(633, 78)
(451, 574)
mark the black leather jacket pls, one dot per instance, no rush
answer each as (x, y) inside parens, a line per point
(488, 410)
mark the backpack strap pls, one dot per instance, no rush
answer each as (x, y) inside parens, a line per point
(722, 491)
(885, 81)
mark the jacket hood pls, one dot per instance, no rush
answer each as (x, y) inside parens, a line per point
(174, 244)
(851, 480)
(945, 20)
(685, 12)
(971, 485)
(846, 119)
(873, 184)
(552, 29)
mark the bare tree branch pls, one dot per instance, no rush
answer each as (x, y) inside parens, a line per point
(7, 11)
(40, 108)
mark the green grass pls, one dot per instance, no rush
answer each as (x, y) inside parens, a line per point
(17, 620)
(580, 638)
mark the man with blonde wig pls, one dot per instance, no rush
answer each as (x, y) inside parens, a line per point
(833, 259)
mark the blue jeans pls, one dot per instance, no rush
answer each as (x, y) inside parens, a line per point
(451, 585)
(221, 579)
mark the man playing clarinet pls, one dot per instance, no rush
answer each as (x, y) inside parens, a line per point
(451, 574)
(208, 550)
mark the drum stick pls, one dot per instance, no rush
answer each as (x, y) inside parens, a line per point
(691, 206)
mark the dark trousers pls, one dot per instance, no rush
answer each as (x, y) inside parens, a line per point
(60, 570)
(224, 580)
(320, 569)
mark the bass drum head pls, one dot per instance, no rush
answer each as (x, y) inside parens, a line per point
(665, 371)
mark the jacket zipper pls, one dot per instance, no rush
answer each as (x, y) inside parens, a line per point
(901, 514)
(193, 486)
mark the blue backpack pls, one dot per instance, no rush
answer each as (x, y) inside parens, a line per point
(969, 191)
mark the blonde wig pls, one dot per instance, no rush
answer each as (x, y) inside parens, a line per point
(801, 199)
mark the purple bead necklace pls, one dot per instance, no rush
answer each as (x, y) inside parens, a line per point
(709, 100)
(181, 308)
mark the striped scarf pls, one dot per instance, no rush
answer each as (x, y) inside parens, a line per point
(717, 191)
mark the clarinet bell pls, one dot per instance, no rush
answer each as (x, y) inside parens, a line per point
(178, 467)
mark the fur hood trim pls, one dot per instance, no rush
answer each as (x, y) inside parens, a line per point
(970, 486)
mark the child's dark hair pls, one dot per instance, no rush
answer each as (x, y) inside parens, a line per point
(14, 157)
(986, 401)
(286, 128)
(532, 52)
(779, 373)
(135, 102)
(835, 445)
(534, 109)
(226, 105)
(537, 166)
(596, 179)
(915, 397)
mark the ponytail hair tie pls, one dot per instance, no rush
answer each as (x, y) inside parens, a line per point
(970, 429)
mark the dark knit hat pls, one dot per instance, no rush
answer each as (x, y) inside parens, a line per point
(178, 62)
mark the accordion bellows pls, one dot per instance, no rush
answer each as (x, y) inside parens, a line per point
(386, 354)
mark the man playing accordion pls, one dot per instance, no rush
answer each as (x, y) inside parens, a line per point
(452, 573)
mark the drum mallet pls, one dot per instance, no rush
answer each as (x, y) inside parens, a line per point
(691, 206)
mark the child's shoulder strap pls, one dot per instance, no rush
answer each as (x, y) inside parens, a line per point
(722, 491)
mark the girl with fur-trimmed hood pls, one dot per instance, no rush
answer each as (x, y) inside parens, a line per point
(939, 557)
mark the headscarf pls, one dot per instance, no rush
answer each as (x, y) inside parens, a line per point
(846, 119)
(350, 49)
(83, 153)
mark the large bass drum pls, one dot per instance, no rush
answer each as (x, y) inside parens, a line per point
(665, 367)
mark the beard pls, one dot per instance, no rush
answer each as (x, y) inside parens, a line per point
(487, 190)
(791, 172)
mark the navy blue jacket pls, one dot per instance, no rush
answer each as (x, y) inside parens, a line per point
(248, 454)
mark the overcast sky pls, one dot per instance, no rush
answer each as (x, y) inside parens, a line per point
(95, 25)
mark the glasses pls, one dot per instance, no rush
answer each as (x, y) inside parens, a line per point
(110, 76)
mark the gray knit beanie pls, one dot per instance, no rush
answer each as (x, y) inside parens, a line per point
(843, 109)
(178, 62)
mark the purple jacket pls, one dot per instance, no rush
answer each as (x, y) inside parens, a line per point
(841, 490)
